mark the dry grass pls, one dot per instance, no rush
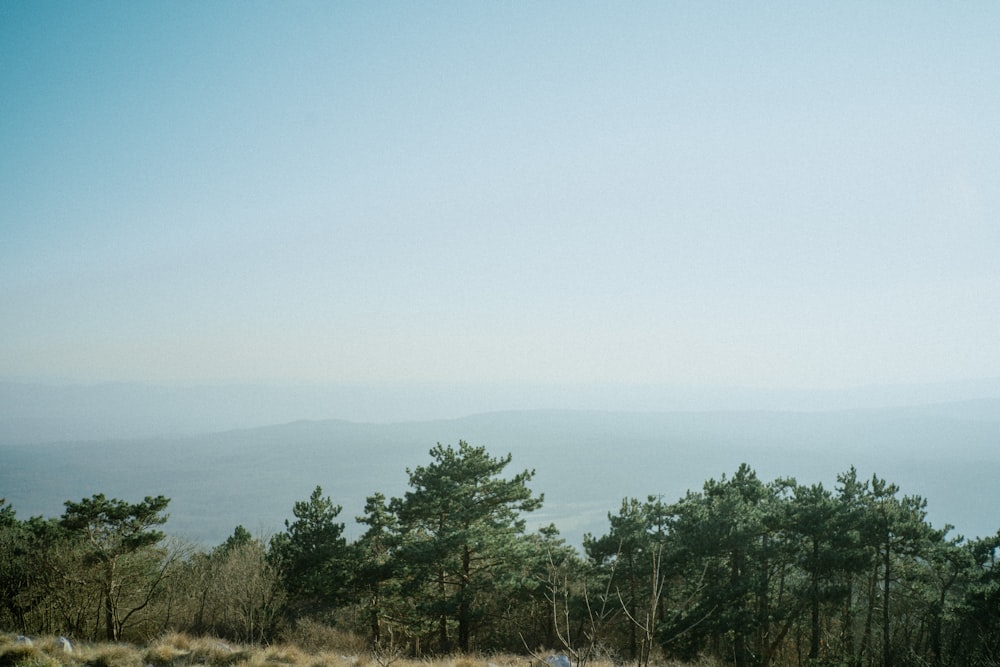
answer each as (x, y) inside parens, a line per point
(165, 655)
(23, 655)
(182, 650)
(107, 655)
(215, 652)
(314, 637)
(308, 646)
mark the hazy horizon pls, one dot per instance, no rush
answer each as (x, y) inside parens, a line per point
(41, 412)
(565, 194)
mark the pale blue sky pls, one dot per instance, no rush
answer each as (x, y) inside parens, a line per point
(742, 194)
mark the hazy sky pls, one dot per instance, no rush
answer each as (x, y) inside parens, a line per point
(768, 194)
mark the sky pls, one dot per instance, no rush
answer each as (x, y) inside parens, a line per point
(763, 195)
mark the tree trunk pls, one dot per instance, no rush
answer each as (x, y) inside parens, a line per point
(847, 627)
(373, 618)
(111, 630)
(463, 601)
(739, 632)
(443, 640)
(814, 604)
(866, 637)
(109, 618)
(886, 638)
(934, 641)
(633, 640)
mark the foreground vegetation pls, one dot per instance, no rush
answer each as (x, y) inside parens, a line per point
(181, 650)
(743, 572)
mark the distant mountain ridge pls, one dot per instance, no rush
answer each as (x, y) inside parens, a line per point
(33, 412)
(586, 462)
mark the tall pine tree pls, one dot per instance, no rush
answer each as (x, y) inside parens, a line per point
(459, 526)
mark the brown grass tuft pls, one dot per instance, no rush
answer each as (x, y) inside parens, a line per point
(23, 655)
(327, 659)
(179, 640)
(315, 637)
(215, 652)
(285, 654)
(108, 655)
(164, 654)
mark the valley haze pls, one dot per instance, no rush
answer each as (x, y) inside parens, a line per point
(144, 440)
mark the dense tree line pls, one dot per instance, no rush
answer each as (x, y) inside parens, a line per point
(753, 573)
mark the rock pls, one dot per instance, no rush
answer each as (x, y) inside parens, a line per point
(558, 660)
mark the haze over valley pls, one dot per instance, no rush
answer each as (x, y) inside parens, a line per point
(587, 461)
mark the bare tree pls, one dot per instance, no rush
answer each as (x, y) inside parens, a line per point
(250, 591)
(581, 639)
(645, 618)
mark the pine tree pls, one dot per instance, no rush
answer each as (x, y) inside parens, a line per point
(312, 556)
(459, 526)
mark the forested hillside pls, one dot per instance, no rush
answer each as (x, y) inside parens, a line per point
(752, 571)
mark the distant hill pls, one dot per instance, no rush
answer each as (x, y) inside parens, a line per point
(586, 462)
(36, 412)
